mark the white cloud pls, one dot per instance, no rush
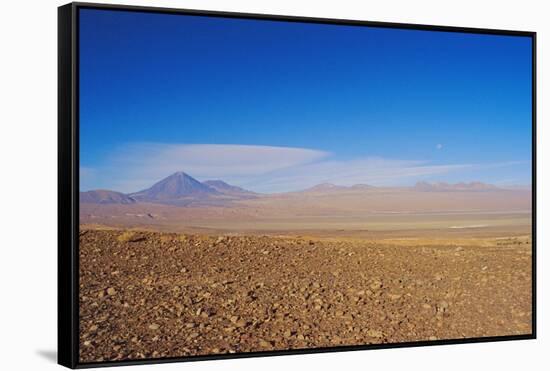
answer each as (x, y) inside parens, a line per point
(439, 146)
(137, 166)
(258, 168)
(370, 170)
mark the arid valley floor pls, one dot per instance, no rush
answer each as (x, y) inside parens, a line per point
(148, 294)
(322, 268)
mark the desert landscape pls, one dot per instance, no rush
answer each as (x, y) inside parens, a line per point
(250, 185)
(180, 203)
(187, 268)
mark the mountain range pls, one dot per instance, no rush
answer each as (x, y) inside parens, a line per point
(177, 189)
(457, 187)
(103, 196)
(176, 186)
(182, 189)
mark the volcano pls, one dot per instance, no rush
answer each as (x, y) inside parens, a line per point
(177, 186)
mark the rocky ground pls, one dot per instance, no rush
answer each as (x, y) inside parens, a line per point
(152, 295)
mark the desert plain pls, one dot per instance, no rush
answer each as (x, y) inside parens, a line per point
(232, 271)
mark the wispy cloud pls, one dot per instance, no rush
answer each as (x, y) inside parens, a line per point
(138, 165)
(371, 170)
(260, 168)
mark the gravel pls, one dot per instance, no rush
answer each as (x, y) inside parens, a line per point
(183, 295)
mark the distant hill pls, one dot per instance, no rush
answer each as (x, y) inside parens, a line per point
(457, 187)
(362, 186)
(228, 189)
(177, 189)
(330, 187)
(324, 187)
(181, 201)
(181, 189)
(103, 196)
(177, 186)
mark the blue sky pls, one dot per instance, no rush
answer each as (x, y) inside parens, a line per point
(278, 106)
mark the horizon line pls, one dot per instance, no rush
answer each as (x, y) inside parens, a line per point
(514, 186)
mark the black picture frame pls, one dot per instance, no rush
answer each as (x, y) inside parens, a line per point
(68, 181)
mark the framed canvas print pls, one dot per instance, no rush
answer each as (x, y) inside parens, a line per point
(235, 185)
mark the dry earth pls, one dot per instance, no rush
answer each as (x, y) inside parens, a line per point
(149, 294)
(371, 209)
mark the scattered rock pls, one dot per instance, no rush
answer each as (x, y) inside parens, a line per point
(240, 323)
(375, 333)
(376, 285)
(265, 344)
(442, 306)
(394, 296)
(296, 296)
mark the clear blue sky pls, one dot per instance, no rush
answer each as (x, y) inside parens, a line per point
(438, 98)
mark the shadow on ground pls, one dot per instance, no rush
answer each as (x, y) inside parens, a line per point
(50, 355)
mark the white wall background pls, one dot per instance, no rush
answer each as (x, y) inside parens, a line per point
(28, 155)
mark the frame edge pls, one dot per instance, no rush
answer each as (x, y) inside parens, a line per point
(534, 187)
(67, 311)
(68, 178)
(300, 18)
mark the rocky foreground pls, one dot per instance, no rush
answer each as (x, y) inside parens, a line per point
(153, 295)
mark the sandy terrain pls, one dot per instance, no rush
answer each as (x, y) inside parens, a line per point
(152, 294)
(360, 211)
